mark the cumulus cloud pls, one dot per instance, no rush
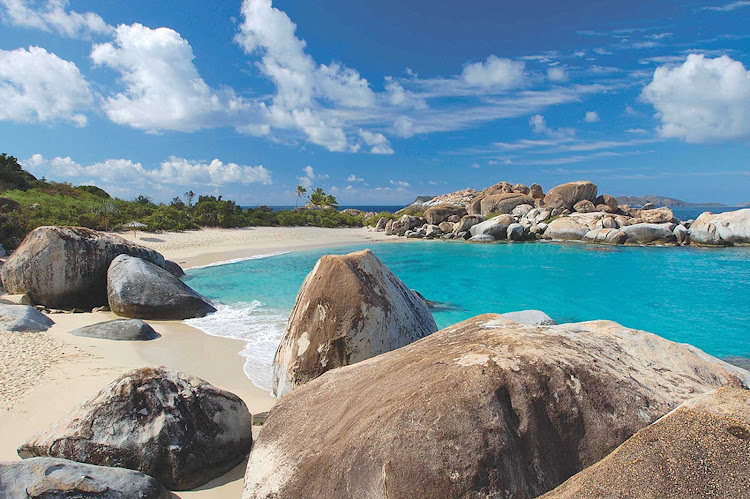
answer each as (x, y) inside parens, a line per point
(309, 177)
(539, 126)
(557, 74)
(38, 86)
(377, 142)
(591, 117)
(495, 72)
(163, 90)
(53, 16)
(124, 177)
(703, 100)
(354, 178)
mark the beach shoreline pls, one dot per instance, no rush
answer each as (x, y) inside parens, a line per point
(45, 375)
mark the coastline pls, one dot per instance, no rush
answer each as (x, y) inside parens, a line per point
(47, 374)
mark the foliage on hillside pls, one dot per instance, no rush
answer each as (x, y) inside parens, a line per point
(27, 203)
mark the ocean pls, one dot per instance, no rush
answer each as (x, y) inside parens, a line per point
(686, 294)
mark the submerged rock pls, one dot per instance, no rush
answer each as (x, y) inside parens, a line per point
(66, 267)
(724, 229)
(119, 330)
(176, 428)
(702, 449)
(350, 308)
(23, 318)
(486, 408)
(139, 289)
(50, 478)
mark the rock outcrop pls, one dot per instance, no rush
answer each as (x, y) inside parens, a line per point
(499, 203)
(118, 330)
(349, 308)
(176, 428)
(139, 289)
(565, 196)
(530, 318)
(702, 449)
(650, 234)
(23, 318)
(724, 229)
(66, 267)
(440, 213)
(566, 229)
(496, 227)
(50, 478)
(486, 408)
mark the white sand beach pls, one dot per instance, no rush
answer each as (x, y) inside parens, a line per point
(45, 375)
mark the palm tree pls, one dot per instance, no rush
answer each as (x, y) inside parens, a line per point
(301, 191)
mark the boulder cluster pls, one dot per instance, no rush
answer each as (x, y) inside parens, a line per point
(569, 212)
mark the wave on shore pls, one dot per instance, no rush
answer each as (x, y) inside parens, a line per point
(257, 325)
(237, 260)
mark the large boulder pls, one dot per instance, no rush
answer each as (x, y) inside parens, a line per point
(66, 267)
(565, 196)
(482, 238)
(176, 428)
(606, 236)
(496, 227)
(650, 234)
(503, 203)
(566, 229)
(467, 222)
(349, 308)
(536, 192)
(584, 206)
(118, 330)
(404, 224)
(484, 408)
(656, 216)
(23, 318)
(607, 200)
(702, 449)
(139, 289)
(530, 318)
(440, 213)
(725, 229)
(50, 478)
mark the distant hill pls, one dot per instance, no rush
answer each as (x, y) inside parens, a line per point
(659, 201)
(744, 205)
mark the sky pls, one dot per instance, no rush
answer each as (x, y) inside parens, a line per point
(378, 102)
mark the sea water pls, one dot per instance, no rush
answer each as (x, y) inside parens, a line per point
(686, 294)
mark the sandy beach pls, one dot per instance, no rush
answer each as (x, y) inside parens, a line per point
(45, 375)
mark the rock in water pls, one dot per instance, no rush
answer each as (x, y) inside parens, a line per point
(23, 318)
(66, 267)
(724, 229)
(119, 330)
(702, 449)
(567, 195)
(139, 289)
(50, 478)
(650, 234)
(350, 308)
(176, 428)
(485, 408)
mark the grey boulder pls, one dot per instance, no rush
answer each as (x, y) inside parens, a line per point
(650, 233)
(118, 330)
(139, 289)
(566, 229)
(23, 318)
(515, 232)
(51, 478)
(174, 427)
(725, 229)
(530, 318)
(496, 227)
(481, 238)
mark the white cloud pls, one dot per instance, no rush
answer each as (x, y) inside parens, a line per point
(496, 73)
(728, 7)
(53, 16)
(163, 90)
(38, 86)
(123, 177)
(539, 126)
(592, 117)
(377, 142)
(354, 178)
(703, 100)
(400, 185)
(557, 74)
(309, 177)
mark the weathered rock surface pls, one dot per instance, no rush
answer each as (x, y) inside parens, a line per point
(440, 213)
(656, 216)
(702, 449)
(481, 238)
(566, 229)
(496, 227)
(607, 200)
(118, 330)
(515, 232)
(66, 267)
(403, 224)
(173, 268)
(23, 318)
(724, 229)
(467, 222)
(503, 203)
(139, 289)
(584, 206)
(530, 318)
(606, 236)
(536, 192)
(650, 234)
(485, 408)
(176, 428)
(50, 478)
(380, 226)
(349, 308)
(567, 195)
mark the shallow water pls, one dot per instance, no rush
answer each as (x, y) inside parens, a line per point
(691, 295)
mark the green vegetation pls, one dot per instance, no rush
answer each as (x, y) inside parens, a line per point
(27, 202)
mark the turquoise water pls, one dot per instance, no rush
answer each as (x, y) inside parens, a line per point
(691, 295)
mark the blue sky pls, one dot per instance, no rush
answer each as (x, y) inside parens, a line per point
(378, 102)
